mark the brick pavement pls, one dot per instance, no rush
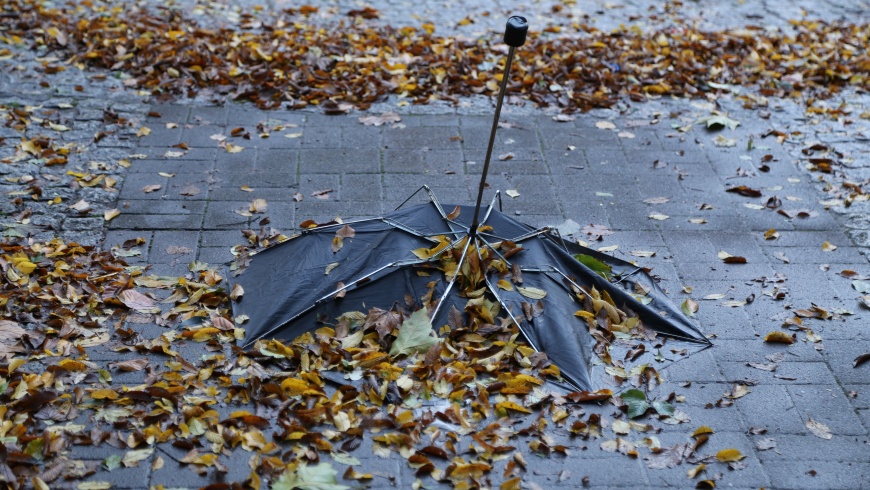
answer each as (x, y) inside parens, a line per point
(603, 180)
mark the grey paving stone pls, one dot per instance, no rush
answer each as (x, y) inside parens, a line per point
(171, 246)
(820, 475)
(771, 407)
(335, 161)
(827, 404)
(149, 222)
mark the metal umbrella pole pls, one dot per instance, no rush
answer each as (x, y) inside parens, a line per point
(514, 36)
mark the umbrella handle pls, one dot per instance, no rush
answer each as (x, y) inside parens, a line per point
(514, 36)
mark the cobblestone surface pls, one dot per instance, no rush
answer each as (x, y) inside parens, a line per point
(562, 171)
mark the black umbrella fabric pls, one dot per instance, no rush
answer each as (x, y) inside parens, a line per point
(506, 274)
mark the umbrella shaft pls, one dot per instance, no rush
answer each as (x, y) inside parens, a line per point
(501, 91)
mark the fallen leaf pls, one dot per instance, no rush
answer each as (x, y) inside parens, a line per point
(111, 214)
(190, 191)
(258, 206)
(151, 188)
(605, 125)
(724, 142)
(744, 191)
(322, 194)
(729, 455)
(778, 337)
(512, 193)
(415, 334)
(731, 259)
(689, 307)
(138, 301)
(378, 120)
(506, 156)
(861, 360)
(657, 200)
(532, 293)
(828, 246)
(818, 429)
(766, 444)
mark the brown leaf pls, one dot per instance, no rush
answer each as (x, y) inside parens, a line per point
(779, 337)
(138, 301)
(10, 333)
(131, 365)
(322, 194)
(190, 190)
(861, 360)
(744, 191)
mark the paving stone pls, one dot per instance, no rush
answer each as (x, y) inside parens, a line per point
(148, 222)
(827, 404)
(336, 161)
(819, 475)
(170, 246)
(771, 407)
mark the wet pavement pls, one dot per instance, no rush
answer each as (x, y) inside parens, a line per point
(649, 172)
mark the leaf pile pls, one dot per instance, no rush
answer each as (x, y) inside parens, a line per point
(281, 58)
(460, 409)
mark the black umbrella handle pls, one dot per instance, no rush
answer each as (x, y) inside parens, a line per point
(514, 36)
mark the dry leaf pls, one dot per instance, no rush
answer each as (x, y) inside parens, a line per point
(779, 337)
(111, 214)
(818, 429)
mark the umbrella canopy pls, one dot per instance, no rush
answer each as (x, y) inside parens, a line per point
(581, 307)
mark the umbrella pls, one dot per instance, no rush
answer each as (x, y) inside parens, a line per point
(486, 272)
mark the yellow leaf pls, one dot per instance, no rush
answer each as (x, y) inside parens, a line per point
(779, 338)
(104, 394)
(702, 430)
(29, 146)
(696, 470)
(533, 293)
(294, 386)
(23, 264)
(111, 214)
(70, 365)
(729, 455)
(828, 246)
(143, 131)
(207, 459)
(428, 253)
(506, 285)
(505, 406)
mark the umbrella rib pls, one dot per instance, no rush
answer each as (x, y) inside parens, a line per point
(391, 222)
(532, 234)
(489, 245)
(491, 205)
(435, 202)
(453, 279)
(506, 309)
